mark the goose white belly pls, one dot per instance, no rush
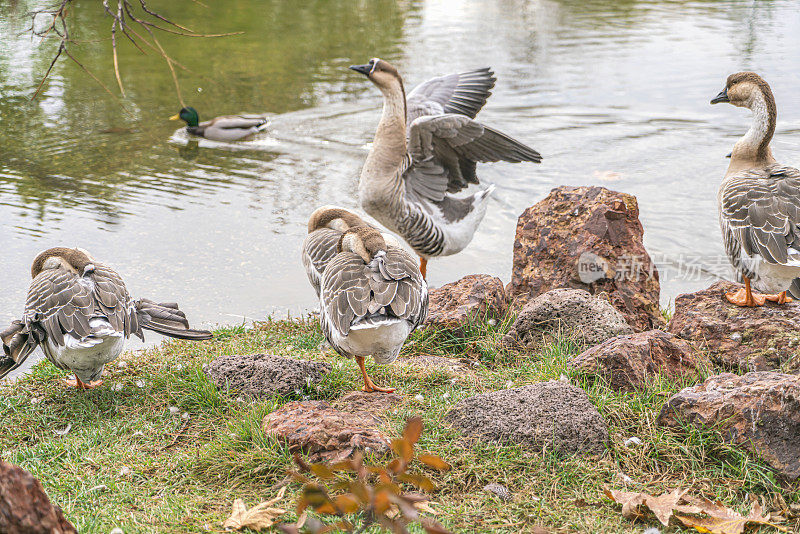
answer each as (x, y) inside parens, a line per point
(86, 357)
(775, 278)
(381, 339)
(459, 234)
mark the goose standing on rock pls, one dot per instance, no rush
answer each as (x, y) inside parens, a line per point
(80, 313)
(226, 128)
(426, 148)
(325, 228)
(759, 202)
(372, 297)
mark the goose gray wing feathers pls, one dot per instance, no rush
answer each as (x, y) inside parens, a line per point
(762, 212)
(464, 93)
(444, 150)
(319, 247)
(390, 285)
(61, 303)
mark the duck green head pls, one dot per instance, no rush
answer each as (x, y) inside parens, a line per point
(189, 115)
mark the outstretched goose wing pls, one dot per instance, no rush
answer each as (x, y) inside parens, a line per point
(319, 247)
(464, 93)
(762, 210)
(444, 151)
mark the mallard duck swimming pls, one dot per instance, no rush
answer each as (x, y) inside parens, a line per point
(80, 313)
(372, 297)
(226, 128)
(426, 148)
(759, 201)
(325, 228)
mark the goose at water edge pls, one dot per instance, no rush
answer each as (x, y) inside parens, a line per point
(225, 128)
(372, 296)
(759, 202)
(80, 313)
(426, 148)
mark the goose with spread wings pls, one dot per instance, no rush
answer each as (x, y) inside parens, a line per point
(372, 297)
(426, 149)
(759, 202)
(80, 313)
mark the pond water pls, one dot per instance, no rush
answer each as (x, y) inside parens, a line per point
(613, 93)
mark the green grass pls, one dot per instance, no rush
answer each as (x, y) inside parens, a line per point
(128, 461)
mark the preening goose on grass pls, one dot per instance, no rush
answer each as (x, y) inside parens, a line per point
(325, 228)
(759, 201)
(80, 313)
(426, 148)
(225, 128)
(372, 297)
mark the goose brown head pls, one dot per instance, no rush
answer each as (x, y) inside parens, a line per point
(365, 241)
(380, 72)
(72, 259)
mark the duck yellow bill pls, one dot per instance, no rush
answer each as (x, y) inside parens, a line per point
(175, 117)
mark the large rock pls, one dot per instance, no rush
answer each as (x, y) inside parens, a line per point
(572, 312)
(627, 362)
(587, 238)
(740, 339)
(758, 411)
(555, 415)
(323, 432)
(24, 506)
(476, 297)
(264, 375)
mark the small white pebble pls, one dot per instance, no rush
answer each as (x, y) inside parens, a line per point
(117, 386)
(36, 400)
(138, 433)
(125, 471)
(63, 431)
(205, 367)
(174, 410)
(476, 363)
(563, 378)
(419, 398)
(122, 364)
(178, 367)
(632, 441)
(185, 415)
(736, 336)
(117, 530)
(98, 488)
(652, 530)
(446, 395)
(625, 479)
(453, 380)
(239, 399)
(139, 383)
(509, 384)
(492, 322)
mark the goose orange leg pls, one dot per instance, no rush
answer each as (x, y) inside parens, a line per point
(780, 298)
(369, 385)
(745, 296)
(423, 267)
(77, 383)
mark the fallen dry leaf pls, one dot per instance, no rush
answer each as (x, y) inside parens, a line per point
(259, 517)
(722, 520)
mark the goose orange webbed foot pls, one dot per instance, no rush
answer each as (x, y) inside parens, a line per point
(77, 383)
(369, 386)
(780, 298)
(742, 298)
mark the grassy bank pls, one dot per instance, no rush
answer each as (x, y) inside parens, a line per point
(159, 449)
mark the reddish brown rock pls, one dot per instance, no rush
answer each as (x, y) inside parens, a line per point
(587, 238)
(474, 297)
(627, 361)
(757, 411)
(323, 432)
(740, 339)
(25, 507)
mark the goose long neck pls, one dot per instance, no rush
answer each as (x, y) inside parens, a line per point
(389, 147)
(753, 150)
